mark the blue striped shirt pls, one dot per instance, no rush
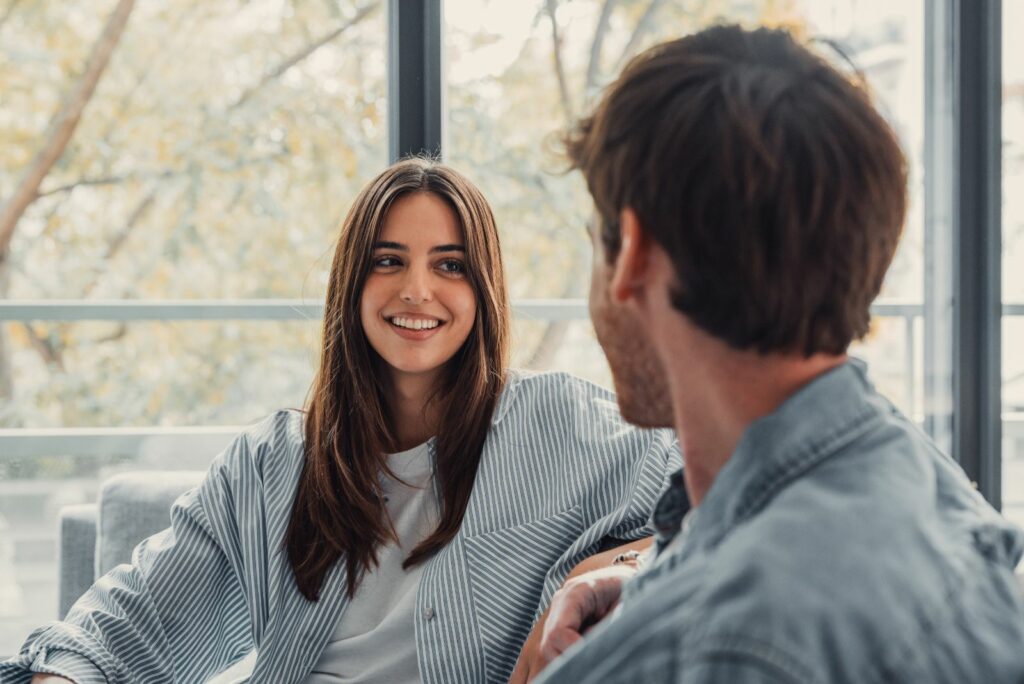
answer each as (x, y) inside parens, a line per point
(560, 474)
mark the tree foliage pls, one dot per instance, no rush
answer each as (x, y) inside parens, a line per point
(217, 155)
(214, 160)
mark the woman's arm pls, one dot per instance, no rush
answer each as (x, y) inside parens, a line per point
(50, 679)
(530, 658)
(179, 610)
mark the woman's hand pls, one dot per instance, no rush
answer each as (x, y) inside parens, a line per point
(49, 679)
(590, 592)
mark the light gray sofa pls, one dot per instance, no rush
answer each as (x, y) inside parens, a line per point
(132, 506)
(94, 538)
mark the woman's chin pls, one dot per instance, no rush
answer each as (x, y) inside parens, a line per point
(406, 368)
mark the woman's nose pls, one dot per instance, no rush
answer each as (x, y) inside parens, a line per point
(416, 287)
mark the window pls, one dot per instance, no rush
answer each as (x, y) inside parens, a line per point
(518, 73)
(164, 282)
(1013, 259)
(212, 167)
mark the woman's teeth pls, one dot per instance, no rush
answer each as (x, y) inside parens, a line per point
(414, 324)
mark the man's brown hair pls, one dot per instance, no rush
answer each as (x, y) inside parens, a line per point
(775, 187)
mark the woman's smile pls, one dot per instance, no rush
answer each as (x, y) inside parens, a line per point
(418, 306)
(414, 327)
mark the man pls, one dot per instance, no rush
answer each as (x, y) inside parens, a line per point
(749, 201)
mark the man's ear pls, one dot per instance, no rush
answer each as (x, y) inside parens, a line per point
(631, 265)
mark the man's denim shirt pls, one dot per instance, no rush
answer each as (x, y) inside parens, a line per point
(838, 544)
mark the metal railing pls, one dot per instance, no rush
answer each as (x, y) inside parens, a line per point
(127, 310)
(20, 443)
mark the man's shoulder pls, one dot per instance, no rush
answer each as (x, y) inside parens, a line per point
(670, 629)
(841, 584)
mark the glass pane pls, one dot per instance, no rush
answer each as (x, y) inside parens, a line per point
(1013, 263)
(577, 352)
(32, 493)
(510, 92)
(215, 158)
(143, 374)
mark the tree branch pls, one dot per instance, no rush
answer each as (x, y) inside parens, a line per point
(556, 44)
(49, 353)
(154, 175)
(119, 332)
(157, 56)
(594, 65)
(305, 53)
(114, 246)
(146, 203)
(110, 180)
(63, 125)
(8, 12)
(641, 29)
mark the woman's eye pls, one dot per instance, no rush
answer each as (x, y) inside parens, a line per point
(453, 266)
(386, 262)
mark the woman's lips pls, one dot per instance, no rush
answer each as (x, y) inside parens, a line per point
(410, 334)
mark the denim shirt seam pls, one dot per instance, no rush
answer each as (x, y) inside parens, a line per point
(725, 643)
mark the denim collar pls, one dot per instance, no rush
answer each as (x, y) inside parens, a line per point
(808, 428)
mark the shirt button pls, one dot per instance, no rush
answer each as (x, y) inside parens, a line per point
(428, 614)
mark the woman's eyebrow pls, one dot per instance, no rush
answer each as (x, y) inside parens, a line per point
(399, 247)
(447, 248)
(390, 245)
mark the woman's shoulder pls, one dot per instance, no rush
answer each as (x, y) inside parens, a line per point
(556, 395)
(270, 445)
(570, 410)
(555, 383)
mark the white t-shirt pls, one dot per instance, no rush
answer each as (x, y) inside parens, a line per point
(375, 639)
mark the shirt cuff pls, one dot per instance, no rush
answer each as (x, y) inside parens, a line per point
(67, 664)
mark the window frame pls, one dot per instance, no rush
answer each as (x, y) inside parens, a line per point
(962, 312)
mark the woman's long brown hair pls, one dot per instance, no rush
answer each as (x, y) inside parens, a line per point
(338, 510)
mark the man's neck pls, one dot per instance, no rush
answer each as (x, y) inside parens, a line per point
(718, 392)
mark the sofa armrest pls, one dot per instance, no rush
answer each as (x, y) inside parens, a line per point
(77, 551)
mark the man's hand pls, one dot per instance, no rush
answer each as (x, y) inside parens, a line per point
(580, 604)
(592, 582)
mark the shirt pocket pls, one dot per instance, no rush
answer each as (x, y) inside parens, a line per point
(507, 570)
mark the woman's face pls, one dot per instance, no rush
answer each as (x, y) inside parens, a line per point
(418, 306)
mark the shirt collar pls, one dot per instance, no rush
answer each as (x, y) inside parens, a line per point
(809, 427)
(673, 505)
(507, 398)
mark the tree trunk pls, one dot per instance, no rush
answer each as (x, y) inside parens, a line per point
(62, 128)
(7, 412)
(63, 125)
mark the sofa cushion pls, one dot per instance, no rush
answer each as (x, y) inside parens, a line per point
(133, 506)
(77, 540)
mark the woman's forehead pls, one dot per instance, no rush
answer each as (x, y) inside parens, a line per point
(421, 220)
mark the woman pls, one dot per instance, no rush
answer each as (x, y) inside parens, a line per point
(414, 520)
